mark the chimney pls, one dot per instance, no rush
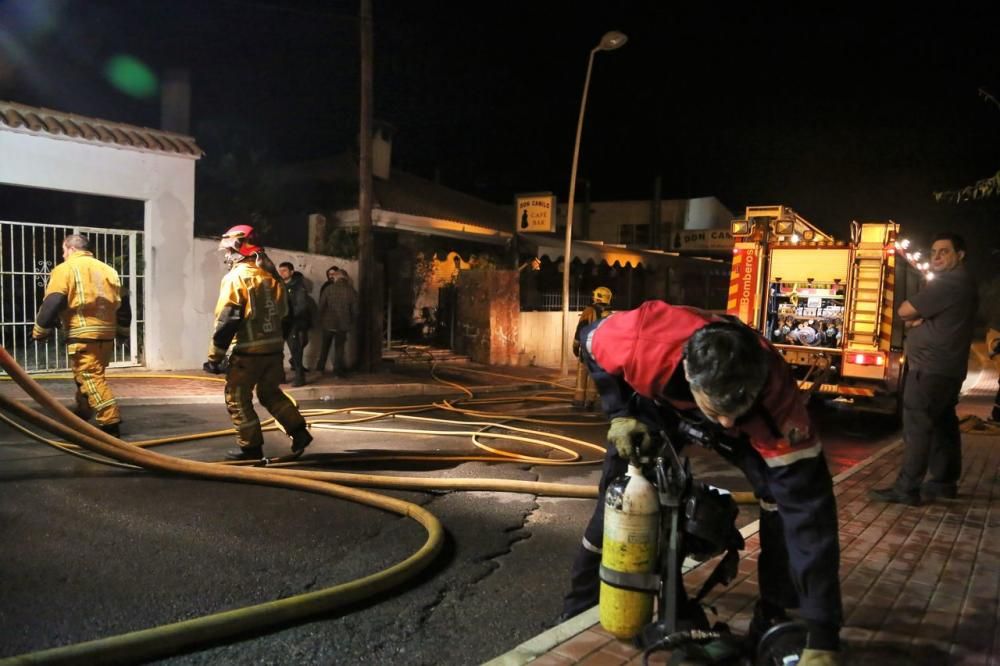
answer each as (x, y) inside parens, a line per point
(382, 149)
(175, 101)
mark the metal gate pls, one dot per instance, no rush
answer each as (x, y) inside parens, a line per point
(28, 253)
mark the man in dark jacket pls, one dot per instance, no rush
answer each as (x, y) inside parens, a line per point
(299, 318)
(338, 313)
(939, 321)
(666, 362)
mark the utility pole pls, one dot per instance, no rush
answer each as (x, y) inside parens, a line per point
(370, 347)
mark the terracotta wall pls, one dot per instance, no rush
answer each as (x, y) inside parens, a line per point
(488, 316)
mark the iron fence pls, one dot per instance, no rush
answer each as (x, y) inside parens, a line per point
(28, 253)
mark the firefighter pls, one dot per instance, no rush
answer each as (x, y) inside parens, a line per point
(84, 297)
(661, 362)
(250, 315)
(585, 393)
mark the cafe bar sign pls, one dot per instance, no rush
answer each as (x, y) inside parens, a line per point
(536, 213)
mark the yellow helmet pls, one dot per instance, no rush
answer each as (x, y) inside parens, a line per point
(602, 295)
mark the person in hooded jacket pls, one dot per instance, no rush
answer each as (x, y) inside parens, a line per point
(338, 315)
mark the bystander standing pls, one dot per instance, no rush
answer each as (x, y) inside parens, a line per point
(939, 322)
(299, 319)
(338, 314)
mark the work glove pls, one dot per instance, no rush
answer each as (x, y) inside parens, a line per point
(811, 657)
(215, 367)
(629, 436)
(39, 333)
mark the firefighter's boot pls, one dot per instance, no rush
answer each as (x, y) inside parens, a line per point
(247, 453)
(300, 376)
(113, 429)
(300, 440)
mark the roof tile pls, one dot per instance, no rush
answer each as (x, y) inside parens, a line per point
(46, 121)
(71, 128)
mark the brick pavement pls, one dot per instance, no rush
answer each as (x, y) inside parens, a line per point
(921, 585)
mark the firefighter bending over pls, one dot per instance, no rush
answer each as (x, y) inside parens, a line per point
(250, 315)
(585, 394)
(84, 297)
(661, 360)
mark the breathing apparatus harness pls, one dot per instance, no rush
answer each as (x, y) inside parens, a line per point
(697, 521)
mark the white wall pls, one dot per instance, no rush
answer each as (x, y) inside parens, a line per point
(182, 272)
(607, 216)
(540, 333)
(166, 184)
(211, 268)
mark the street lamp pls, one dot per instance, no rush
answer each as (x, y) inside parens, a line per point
(609, 42)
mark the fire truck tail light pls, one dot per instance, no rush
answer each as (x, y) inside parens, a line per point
(868, 359)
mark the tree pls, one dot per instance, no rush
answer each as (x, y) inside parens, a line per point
(234, 184)
(984, 188)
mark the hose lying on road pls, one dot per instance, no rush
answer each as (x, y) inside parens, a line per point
(176, 637)
(147, 644)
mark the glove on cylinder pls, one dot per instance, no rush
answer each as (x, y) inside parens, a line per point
(629, 436)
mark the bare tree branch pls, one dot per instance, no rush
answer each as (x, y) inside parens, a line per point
(989, 98)
(981, 189)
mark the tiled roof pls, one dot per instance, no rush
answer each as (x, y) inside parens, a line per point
(21, 118)
(406, 193)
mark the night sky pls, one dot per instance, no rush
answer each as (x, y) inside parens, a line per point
(842, 115)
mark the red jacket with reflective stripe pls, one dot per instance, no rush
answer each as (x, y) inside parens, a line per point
(644, 347)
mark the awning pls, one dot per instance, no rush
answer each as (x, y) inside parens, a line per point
(599, 252)
(430, 226)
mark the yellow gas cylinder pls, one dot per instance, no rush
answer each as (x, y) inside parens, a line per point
(631, 525)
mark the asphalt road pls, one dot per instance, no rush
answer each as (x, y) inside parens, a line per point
(91, 551)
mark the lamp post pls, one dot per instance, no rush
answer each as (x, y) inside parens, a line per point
(609, 42)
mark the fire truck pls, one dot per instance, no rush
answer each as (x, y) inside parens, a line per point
(828, 306)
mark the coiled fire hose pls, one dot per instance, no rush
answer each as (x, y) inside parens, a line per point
(171, 638)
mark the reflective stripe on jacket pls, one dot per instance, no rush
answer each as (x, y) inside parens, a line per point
(87, 294)
(249, 313)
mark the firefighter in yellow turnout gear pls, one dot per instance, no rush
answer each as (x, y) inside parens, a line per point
(84, 297)
(585, 393)
(250, 317)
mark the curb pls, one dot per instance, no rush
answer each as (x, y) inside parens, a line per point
(544, 642)
(325, 393)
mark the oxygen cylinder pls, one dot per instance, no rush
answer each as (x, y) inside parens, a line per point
(631, 523)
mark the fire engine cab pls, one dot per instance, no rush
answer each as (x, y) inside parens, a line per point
(828, 306)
